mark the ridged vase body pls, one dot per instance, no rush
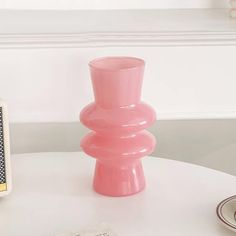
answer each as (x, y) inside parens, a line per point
(118, 120)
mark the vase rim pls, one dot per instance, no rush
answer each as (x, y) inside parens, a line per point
(120, 65)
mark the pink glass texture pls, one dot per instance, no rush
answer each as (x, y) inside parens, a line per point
(117, 119)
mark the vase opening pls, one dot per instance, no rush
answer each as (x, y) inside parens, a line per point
(116, 63)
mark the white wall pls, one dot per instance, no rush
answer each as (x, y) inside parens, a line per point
(110, 4)
(53, 85)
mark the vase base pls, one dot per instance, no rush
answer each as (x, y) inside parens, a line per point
(119, 179)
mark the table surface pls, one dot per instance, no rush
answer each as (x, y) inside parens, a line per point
(52, 194)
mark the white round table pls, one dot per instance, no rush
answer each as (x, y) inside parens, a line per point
(53, 194)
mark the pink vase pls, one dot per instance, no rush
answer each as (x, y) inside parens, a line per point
(118, 119)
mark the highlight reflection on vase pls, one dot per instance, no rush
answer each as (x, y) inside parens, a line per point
(117, 119)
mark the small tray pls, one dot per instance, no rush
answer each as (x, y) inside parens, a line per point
(226, 212)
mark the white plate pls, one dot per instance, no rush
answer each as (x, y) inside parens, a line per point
(226, 212)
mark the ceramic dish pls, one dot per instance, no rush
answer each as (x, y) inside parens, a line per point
(226, 212)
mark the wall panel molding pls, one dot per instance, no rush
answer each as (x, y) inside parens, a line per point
(121, 39)
(116, 28)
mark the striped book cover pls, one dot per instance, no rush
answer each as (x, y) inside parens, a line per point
(5, 176)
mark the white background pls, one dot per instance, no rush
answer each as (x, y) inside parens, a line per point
(53, 85)
(110, 4)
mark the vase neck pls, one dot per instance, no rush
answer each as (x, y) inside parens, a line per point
(117, 88)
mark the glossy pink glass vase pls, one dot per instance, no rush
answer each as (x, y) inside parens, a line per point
(118, 119)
